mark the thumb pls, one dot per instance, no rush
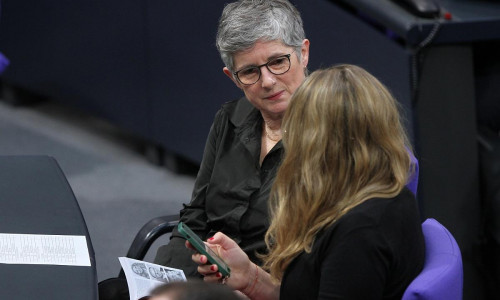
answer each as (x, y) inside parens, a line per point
(222, 240)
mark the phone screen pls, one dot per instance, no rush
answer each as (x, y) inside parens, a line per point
(199, 245)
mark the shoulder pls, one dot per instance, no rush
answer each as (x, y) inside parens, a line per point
(238, 111)
(380, 214)
(376, 210)
(377, 223)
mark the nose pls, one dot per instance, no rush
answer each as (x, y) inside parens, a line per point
(268, 78)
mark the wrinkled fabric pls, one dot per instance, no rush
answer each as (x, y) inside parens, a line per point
(231, 190)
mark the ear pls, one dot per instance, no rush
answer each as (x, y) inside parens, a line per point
(230, 75)
(305, 52)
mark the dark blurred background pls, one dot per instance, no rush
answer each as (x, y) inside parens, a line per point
(143, 77)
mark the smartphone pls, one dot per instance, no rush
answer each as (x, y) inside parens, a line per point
(199, 245)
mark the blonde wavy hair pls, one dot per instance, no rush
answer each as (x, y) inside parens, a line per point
(344, 143)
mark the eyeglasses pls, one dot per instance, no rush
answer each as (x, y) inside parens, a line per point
(277, 66)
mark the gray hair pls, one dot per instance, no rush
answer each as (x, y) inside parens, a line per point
(245, 22)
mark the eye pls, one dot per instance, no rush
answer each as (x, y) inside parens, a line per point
(248, 72)
(277, 62)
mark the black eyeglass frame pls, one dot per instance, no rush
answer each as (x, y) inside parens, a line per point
(267, 67)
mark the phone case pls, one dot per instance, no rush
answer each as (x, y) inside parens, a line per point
(199, 245)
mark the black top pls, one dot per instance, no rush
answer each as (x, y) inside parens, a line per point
(372, 252)
(231, 189)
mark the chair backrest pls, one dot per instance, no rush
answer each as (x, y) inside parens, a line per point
(442, 275)
(4, 62)
(412, 183)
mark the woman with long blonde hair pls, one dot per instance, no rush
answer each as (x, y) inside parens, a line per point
(343, 224)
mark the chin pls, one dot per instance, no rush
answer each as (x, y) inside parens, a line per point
(278, 108)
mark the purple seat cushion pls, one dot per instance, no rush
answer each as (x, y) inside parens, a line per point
(442, 275)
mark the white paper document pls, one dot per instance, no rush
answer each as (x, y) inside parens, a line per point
(38, 249)
(142, 277)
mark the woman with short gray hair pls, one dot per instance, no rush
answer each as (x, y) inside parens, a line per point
(263, 46)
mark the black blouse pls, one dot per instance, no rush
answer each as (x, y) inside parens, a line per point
(372, 252)
(232, 188)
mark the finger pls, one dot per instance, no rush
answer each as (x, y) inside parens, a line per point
(189, 246)
(216, 277)
(207, 269)
(223, 240)
(199, 258)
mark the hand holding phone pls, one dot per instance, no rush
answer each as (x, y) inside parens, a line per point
(200, 246)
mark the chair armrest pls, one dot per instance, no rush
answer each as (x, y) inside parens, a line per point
(149, 233)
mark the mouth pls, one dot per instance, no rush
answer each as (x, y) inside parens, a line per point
(275, 96)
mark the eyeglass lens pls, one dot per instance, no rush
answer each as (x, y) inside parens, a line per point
(277, 66)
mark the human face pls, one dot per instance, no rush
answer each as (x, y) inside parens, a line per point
(271, 93)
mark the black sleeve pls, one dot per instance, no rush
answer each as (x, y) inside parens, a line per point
(175, 254)
(356, 266)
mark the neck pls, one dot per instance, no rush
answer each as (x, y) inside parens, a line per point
(273, 123)
(273, 135)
